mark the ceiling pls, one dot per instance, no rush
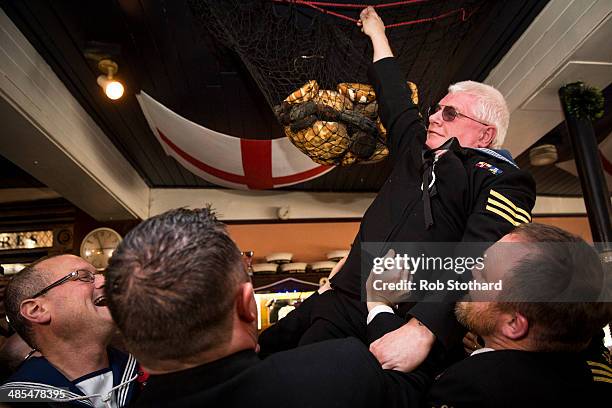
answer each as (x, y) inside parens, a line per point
(550, 179)
(162, 50)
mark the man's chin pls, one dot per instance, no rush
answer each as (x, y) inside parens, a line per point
(104, 314)
(477, 317)
(434, 140)
(462, 310)
(107, 327)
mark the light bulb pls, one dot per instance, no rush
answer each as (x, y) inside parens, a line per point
(113, 89)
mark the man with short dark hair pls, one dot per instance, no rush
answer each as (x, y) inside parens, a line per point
(57, 305)
(535, 329)
(179, 292)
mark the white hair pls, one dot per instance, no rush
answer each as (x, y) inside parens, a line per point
(491, 107)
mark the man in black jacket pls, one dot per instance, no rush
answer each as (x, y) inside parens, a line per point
(551, 306)
(181, 297)
(474, 194)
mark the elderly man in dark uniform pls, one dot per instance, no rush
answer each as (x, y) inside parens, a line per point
(448, 184)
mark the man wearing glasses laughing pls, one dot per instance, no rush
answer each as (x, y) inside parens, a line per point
(57, 305)
(449, 183)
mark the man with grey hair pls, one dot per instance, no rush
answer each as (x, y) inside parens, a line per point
(448, 184)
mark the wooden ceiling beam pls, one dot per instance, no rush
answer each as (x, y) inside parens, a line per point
(47, 133)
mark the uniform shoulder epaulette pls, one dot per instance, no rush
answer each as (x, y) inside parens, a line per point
(602, 369)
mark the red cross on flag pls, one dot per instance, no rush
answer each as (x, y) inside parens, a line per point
(225, 160)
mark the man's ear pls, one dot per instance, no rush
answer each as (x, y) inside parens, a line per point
(35, 311)
(245, 303)
(487, 137)
(515, 326)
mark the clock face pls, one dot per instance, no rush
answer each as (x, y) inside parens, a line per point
(99, 245)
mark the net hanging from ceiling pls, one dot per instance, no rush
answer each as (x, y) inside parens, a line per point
(309, 59)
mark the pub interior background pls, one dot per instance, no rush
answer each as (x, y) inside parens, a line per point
(78, 170)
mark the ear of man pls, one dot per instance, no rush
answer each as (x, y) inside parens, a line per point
(246, 307)
(488, 136)
(515, 326)
(35, 311)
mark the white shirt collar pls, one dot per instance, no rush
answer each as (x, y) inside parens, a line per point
(481, 350)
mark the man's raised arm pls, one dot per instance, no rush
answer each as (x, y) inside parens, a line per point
(372, 26)
(398, 114)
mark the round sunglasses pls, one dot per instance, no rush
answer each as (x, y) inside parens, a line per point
(450, 113)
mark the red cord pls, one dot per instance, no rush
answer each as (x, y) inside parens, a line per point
(345, 5)
(333, 13)
(317, 5)
(426, 20)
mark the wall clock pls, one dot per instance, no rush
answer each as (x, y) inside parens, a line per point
(98, 246)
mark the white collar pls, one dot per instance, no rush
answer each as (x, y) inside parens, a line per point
(481, 350)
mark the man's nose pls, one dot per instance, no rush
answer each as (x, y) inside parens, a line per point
(99, 280)
(436, 117)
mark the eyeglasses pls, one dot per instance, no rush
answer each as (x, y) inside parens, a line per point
(82, 275)
(450, 113)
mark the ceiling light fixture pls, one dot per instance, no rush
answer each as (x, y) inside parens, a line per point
(543, 155)
(112, 88)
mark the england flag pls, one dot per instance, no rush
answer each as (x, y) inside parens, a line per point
(225, 160)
